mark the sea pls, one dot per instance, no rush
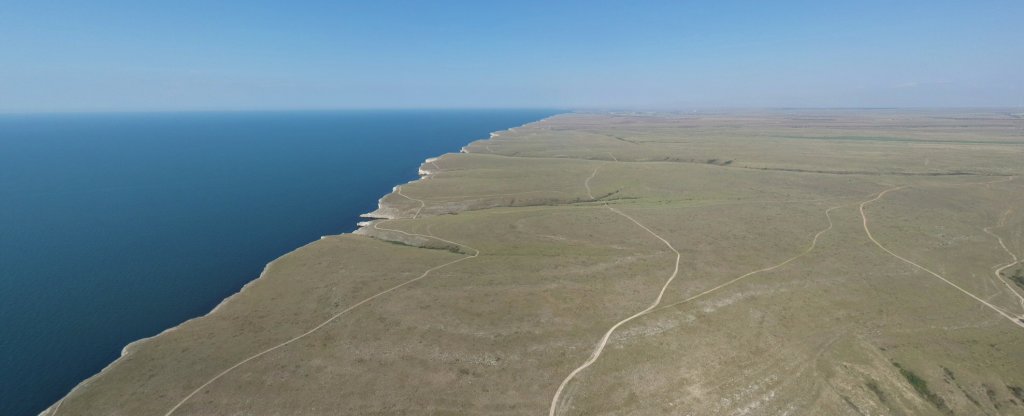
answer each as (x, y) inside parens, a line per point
(114, 227)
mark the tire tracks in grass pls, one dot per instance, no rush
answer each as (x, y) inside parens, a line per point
(553, 409)
(376, 226)
(867, 230)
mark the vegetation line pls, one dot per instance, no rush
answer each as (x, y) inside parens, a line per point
(731, 165)
(465, 198)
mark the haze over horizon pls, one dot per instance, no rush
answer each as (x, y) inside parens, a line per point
(184, 56)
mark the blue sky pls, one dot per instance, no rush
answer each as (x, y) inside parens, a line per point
(237, 55)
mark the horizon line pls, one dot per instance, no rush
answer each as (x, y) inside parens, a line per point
(582, 109)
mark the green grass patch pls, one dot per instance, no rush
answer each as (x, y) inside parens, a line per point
(1018, 278)
(451, 248)
(922, 388)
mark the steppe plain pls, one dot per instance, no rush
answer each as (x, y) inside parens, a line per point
(814, 262)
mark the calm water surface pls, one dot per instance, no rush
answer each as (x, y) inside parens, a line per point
(115, 227)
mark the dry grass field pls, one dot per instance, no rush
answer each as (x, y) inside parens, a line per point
(847, 262)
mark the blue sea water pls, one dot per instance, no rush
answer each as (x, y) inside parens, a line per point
(114, 227)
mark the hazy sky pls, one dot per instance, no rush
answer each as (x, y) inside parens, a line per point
(197, 55)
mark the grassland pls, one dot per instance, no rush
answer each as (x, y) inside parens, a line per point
(774, 262)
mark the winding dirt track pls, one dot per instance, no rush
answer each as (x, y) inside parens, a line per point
(604, 340)
(999, 269)
(422, 204)
(867, 230)
(814, 243)
(553, 410)
(343, 312)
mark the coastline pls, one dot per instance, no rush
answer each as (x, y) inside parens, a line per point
(382, 211)
(379, 214)
(547, 318)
